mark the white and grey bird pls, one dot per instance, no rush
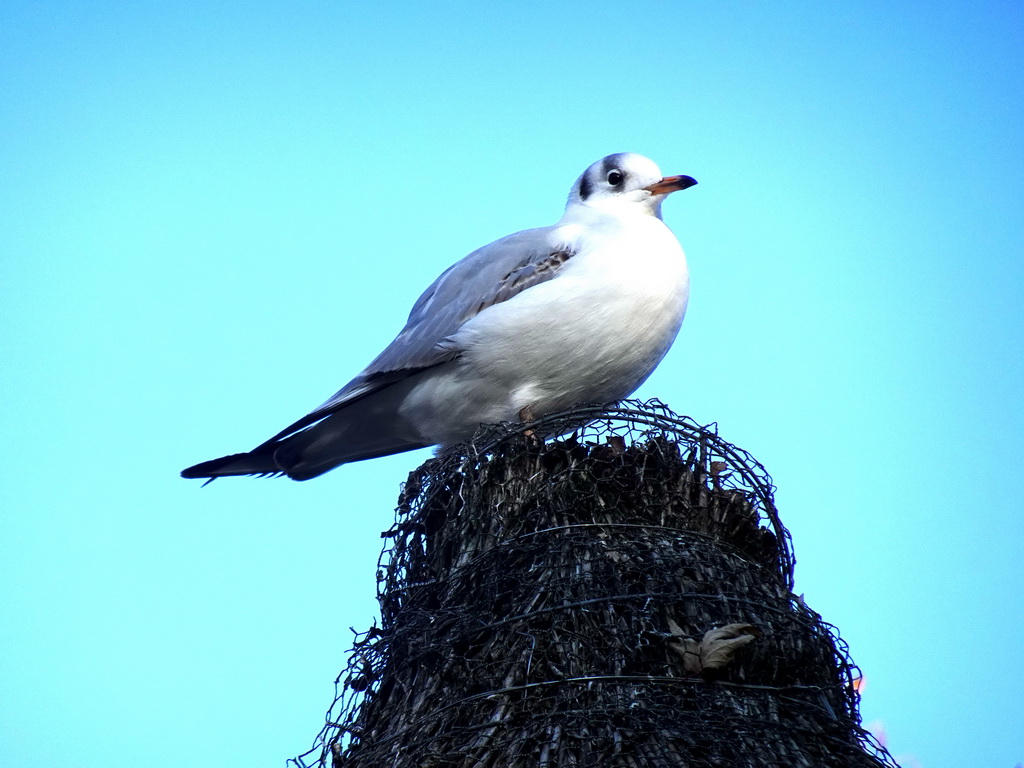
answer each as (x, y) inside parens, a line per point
(534, 323)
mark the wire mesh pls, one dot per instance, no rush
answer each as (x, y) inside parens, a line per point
(556, 603)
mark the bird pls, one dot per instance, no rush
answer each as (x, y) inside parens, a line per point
(536, 322)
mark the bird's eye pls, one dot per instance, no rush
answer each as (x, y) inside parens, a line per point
(615, 178)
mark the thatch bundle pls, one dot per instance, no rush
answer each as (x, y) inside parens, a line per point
(620, 597)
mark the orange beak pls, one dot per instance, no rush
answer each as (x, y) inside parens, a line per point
(671, 184)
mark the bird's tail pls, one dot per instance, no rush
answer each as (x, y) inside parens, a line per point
(366, 429)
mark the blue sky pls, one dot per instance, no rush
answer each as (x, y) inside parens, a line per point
(212, 215)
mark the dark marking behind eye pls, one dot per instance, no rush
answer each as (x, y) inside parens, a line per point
(585, 187)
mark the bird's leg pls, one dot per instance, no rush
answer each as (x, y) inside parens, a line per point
(527, 416)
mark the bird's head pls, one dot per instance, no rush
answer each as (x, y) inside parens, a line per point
(621, 181)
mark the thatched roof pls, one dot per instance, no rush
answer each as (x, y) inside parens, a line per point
(618, 596)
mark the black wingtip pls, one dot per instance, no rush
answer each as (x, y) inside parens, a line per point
(205, 469)
(252, 463)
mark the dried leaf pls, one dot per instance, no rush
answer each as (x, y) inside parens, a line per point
(715, 650)
(719, 645)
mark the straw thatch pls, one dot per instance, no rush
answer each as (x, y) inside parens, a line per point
(618, 597)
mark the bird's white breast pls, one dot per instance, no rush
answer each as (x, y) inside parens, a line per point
(592, 334)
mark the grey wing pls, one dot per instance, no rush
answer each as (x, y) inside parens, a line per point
(488, 276)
